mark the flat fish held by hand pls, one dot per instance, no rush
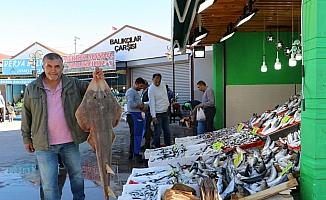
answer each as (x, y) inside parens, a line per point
(97, 114)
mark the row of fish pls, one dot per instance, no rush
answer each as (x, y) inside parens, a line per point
(196, 160)
(189, 149)
(244, 172)
(282, 116)
(293, 140)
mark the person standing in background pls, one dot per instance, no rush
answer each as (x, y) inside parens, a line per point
(134, 117)
(148, 118)
(159, 104)
(11, 112)
(2, 108)
(208, 104)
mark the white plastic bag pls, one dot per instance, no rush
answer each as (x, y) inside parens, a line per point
(200, 116)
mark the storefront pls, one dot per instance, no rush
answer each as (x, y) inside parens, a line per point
(239, 70)
(143, 54)
(21, 69)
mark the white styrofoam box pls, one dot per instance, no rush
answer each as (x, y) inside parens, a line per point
(184, 139)
(129, 188)
(151, 152)
(137, 171)
(194, 142)
(162, 178)
(186, 160)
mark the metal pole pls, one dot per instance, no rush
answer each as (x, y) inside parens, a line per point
(35, 63)
(173, 73)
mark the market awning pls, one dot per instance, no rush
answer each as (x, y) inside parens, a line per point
(272, 14)
(184, 12)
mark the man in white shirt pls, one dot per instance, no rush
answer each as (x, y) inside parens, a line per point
(159, 103)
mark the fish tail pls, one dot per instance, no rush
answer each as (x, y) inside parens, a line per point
(109, 169)
(109, 192)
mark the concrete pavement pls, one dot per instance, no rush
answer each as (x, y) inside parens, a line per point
(19, 178)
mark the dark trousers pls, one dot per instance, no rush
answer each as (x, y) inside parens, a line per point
(162, 124)
(148, 131)
(131, 130)
(210, 114)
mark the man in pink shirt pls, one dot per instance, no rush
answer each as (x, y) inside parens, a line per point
(49, 126)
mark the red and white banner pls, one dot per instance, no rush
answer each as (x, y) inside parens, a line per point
(85, 62)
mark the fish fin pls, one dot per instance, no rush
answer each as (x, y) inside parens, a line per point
(91, 141)
(109, 192)
(109, 169)
(113, 137)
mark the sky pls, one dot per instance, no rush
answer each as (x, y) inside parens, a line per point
(55, 23)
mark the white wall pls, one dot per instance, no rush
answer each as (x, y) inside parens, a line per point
(150, 46)
(244, 100)
(203, 70)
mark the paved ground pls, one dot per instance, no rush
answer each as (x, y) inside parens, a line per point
(19, 179)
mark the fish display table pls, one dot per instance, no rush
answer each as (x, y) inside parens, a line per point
(241, 161)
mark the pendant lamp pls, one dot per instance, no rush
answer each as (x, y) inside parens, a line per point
(278, 64)
(292, 59)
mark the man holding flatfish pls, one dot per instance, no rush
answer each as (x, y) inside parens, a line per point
(49, 126)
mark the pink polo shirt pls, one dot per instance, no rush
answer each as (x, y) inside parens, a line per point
(59, 132)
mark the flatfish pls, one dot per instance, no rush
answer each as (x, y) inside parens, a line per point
(97, 114)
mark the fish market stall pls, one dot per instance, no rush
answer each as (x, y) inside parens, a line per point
(240, 162)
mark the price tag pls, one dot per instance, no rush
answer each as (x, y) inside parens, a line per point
(287, 168)
(285, 119)
(240, 127)
(254, 130)
(218, 146)
(237, 159)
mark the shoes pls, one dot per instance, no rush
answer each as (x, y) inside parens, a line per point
(144, 147)
(139, 158)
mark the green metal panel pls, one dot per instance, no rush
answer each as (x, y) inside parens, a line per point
(218, 85)
(183, 21)
(313, 124)
(244, 54)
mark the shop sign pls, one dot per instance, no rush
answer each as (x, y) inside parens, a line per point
(86, 62)
(20, 66)
(16, 81)
(125, 44)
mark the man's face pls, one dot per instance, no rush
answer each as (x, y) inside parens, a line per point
(139, 86)
(53, 69)
(157, 81)
(201, 87)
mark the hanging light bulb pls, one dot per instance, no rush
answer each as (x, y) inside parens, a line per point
(277, 65)
(263, 67)
(292, 61)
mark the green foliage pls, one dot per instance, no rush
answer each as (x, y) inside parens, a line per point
(20, 103)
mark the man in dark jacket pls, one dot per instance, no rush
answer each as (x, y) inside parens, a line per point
(49, 126)
(148, 118)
